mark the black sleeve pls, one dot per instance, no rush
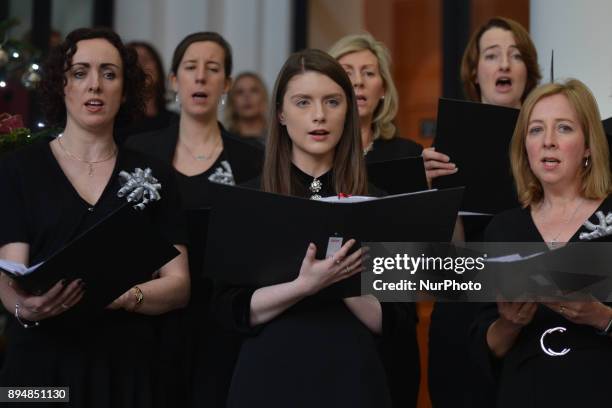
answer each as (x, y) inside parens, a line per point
(231, 307)
(13, 226)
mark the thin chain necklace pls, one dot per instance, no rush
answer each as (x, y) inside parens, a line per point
(89, 163)
(202, 157)
(554, 243)
(368, 148)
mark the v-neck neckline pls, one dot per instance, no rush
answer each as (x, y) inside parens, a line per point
(71, 186)
(574, 235)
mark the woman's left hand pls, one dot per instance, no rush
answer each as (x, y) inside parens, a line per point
(594, 313)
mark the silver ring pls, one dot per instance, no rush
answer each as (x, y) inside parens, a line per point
(562, 310)
(65, 306)
(348, 270)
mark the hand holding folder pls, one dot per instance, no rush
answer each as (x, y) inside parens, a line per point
(266, 245)
(120, 251)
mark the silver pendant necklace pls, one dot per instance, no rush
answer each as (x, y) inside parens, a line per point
(554, 242)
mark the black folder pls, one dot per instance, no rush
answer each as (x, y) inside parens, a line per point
(477, 137)
(261, 238)
(118, 252)
(398, 176)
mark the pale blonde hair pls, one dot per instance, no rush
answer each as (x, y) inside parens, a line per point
(596, 176)
(385, 112)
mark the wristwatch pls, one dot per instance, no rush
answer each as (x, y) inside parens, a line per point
(138, 295)
(606, 331)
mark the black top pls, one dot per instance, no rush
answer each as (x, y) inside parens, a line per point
(238, 162)
(316, 353)
(527, 376)
(396, 148)
(108, 361)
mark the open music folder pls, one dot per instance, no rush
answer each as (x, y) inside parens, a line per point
(118, 252)
(261, 238)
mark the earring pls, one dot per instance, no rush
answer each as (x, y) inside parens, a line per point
(176, 98)
(586, 161)
(223, 99)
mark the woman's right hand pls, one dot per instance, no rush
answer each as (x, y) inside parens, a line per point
(316, 274)
(437, 164)
(517, 314)
(503, 332)
(60, 298)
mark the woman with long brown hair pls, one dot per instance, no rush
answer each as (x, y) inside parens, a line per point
(303, 350)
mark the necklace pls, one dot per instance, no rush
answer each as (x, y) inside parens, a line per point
(368, 148)
(202, 157)
(88, 162)
(554, 243)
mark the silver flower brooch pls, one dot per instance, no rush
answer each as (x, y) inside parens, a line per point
(604, 228)
(139, 187)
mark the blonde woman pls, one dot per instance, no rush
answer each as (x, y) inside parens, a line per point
(560, 163)
(368, 64)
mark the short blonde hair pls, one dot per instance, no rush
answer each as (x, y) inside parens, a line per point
(596, 176)
(385, 112)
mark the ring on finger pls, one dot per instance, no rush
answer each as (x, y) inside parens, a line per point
(347, 269)
(562, 310)
(65, 306)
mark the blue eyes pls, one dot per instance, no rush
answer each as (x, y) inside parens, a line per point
(110, 75)
(561, 128)
(302, 103)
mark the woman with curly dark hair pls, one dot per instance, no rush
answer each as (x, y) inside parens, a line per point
(53, 191)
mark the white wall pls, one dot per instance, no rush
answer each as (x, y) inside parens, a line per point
(68, 15)
(580, 32)
(258, 30)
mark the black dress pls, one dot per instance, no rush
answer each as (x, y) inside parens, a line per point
(315, 354)
(199, 371)
(527, 376)
(400, 352)
(110, 360)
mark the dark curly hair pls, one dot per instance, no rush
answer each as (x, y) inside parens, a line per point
(59, 62)
(157, 90)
